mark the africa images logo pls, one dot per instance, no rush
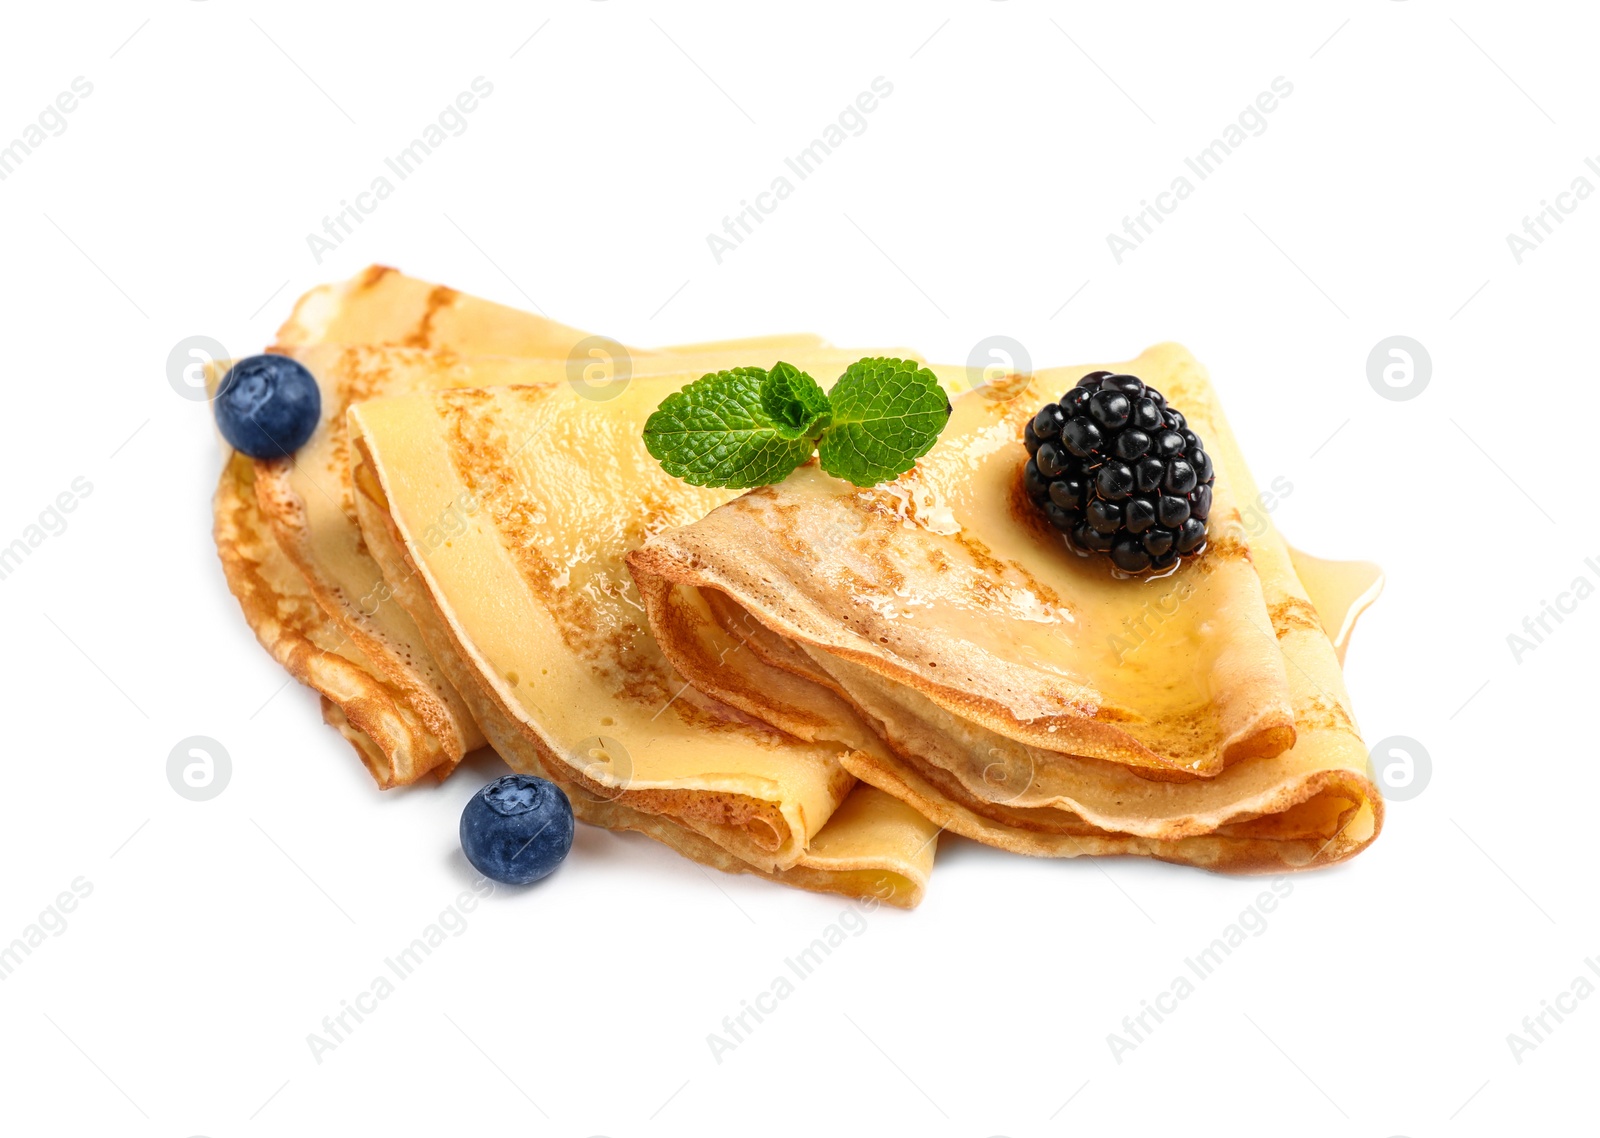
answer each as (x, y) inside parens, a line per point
(52, 123)
(852, 119)
(451, 122)
(1250, 123)
(1551, 615)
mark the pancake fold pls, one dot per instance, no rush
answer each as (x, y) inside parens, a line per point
(344, 611)
(808, 682)
(1024, 696)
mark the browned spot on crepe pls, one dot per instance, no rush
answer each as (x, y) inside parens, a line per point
(423, 335)
(1321, 715)
(371, 275)
(1294, 613)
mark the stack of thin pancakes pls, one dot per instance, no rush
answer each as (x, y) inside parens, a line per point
(808, 681)
(453, 573)
(1023, 696)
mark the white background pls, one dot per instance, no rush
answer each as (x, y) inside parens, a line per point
(977, 202)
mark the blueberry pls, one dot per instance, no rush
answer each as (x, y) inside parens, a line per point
(517, 829)
(267, 406)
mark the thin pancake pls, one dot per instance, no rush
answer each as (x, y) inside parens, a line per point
(532, 589)
(874, 845)
(945, 583)
(422, 726)
(373, 715)
(949, 751)
(309, 503)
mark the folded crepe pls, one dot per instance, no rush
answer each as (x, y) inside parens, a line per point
(373, 714)
(286, 529)
(397, 705)
(500, 518)
(1024, 696)
(308, 502)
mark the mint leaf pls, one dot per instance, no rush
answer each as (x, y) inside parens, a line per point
(739, 428)
(794, 399)
(886, 414)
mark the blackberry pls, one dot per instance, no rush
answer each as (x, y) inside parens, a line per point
(1119, 472)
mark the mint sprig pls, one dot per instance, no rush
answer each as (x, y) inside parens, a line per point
(751, 427)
